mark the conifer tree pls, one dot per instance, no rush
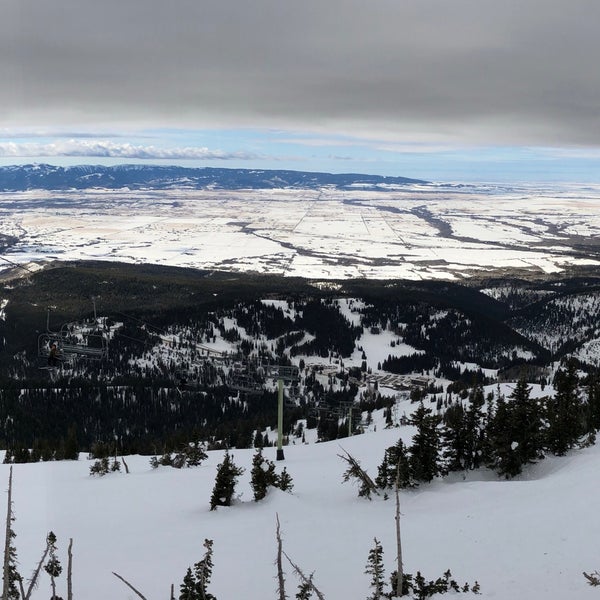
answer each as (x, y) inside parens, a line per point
(565, 412)
(53, 566)
(515, 432)
(425, 450)
(395, 463)
(194, 454)
(593, 404)
(475, 430)
(375, 569)
(304, 591)
(226, 479)
(454, 438)
(195, 582)
(187, 590)
(262, 475)
(285, 483)
(71, 447)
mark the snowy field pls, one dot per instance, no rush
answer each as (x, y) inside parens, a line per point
(528, 538)
(413, 232)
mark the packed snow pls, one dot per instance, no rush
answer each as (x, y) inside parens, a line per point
(531, 537)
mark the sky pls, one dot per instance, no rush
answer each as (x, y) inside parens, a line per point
(473, 90)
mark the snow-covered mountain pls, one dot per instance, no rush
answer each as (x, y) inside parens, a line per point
(49, 177)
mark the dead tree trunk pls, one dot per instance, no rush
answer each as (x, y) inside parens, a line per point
(35, 575)
(6, 569)
(280, 577)
(130, 586)
(400, 569)
(70, 570)
(307, 580)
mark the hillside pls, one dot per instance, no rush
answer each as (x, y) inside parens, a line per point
(181, 350)
(527, 538)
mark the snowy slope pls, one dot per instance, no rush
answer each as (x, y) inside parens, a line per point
(528, 538)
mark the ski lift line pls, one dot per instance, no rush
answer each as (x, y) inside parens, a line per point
(14, 264)
(164, 335)
(128, 337)
(195, 345)
(159, 329)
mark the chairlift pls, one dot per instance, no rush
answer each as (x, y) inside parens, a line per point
(246, 377)
(76, 340)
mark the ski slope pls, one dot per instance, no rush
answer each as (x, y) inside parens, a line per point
(528, 538)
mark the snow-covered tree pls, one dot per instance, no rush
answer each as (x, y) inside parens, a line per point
(226, 479)
(262, 475)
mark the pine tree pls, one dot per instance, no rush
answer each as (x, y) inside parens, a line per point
(393, 457)
(226, 479)
(425, 450)
(475, 430)
(593, 404)
(262, 475)
(454, 438)
(565, 412)
(194, 584)
(502, 457)
(304, 591)
(195, 453)
(71, 447)
(53, 566)
(187, 590)
(203, 571)
(285, 483)
(375, 569)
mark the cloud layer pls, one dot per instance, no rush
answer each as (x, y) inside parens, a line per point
(109, 149)
(474, 71)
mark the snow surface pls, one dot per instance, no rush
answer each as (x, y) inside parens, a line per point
(529, 538)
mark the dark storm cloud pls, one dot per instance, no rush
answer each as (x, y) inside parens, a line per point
(491, 71)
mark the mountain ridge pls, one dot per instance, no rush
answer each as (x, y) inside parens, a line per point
(49, 177)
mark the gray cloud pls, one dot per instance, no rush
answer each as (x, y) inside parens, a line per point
(475, 71)
(109, 149)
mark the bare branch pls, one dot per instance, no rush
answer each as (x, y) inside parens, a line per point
(355, 470)
(34, 577)
(125, 465)
(304, 578)
(21, 588)
(129, 585)
(593, 578)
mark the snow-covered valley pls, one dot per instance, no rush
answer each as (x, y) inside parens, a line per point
(410, 232)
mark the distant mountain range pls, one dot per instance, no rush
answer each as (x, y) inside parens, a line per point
(49, 177)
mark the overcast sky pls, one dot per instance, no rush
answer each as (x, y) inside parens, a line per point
(470, 88)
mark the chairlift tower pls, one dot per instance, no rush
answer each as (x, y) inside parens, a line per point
(283, 374)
